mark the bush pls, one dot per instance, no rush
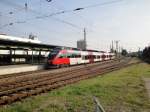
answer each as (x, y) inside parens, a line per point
(146, 54)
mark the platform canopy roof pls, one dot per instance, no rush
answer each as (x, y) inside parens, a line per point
(7, 44)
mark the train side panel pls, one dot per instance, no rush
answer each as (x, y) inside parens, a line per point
(84, 55)
(75, 57)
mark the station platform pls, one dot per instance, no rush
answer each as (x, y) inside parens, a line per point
(11, 69)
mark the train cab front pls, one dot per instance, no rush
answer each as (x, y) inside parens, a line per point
(51, 59)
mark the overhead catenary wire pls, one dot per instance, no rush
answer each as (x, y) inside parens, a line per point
(71, 24)
(41, 17)
(17, 8)
(101, 4)
(86, 21)
(54, 18)
(61, 12)
(37, 17)
(77, 9)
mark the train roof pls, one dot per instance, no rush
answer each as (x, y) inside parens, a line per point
(71, 48)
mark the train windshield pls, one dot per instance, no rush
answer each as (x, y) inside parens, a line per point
(53, 54)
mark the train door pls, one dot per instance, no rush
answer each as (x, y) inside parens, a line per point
(78, 57)
(100, 56)
(73, 57)
(103, 57)
(83, 57)
(91, 57)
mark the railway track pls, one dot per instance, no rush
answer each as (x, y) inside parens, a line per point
(14, 90)
(47, 71)
(22, 81)
(8, 79)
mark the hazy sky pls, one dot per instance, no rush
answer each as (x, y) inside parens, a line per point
(125, 20)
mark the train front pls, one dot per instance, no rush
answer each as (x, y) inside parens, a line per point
(51, 59)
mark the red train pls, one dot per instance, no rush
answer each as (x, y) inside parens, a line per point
(65, 57)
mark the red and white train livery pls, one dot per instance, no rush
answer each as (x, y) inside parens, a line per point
(65, 57)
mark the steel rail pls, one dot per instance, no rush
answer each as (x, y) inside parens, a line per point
(19, 93)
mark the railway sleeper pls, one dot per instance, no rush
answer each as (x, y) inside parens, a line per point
(23, 79)
(62, 83)
(31, 86)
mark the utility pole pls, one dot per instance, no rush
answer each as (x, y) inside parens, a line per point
(117, 46)
(119, 52)
(112, 46)
(85, 44)
(117, 42)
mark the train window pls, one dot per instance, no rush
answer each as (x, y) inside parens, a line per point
(75, 56)
(86, 57)
(90, 56)
(68, 56)
(60, 56)
(72, 56)
(78, 56)
(83, 57)
(103, 56)
(54, 52)
(65, 55)
(94, 56)
(51, 56)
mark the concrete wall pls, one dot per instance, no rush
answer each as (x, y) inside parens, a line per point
(19, 68)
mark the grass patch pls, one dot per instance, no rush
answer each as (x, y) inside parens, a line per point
(118, 91)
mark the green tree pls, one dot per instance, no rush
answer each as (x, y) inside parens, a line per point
(146, 54)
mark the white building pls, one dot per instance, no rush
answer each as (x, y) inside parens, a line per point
(81, 44)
